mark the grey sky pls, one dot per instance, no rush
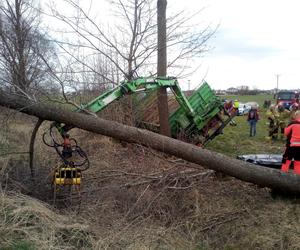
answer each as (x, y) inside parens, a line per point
(228, 43)
(256, 40)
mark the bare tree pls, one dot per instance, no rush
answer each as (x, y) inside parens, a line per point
(23, 47)
(121, 49)
(100, 54)
(129, 43)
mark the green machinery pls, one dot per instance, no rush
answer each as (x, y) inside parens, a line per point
(198, 119)
(209, 121)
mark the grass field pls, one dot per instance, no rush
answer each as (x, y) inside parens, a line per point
(250, 98)
(235, 139)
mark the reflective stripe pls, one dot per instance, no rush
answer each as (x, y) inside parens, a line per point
(295, 143)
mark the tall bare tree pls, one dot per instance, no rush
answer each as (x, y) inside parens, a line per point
(101, 53)
(121, 48)
(129, 42)
(23, 46)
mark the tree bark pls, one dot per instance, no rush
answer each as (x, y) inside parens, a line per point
(31, 146)
(162, 95)
(261, 176)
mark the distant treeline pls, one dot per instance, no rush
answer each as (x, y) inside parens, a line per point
(244, 91)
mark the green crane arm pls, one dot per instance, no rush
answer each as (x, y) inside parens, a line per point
(135, 86)
(200, 115)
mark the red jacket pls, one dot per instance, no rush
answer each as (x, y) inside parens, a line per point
(293, 131)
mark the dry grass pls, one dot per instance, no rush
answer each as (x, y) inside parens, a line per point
(136, 198)
(33, 223)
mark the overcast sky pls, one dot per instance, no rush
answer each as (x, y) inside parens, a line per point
(256, 40)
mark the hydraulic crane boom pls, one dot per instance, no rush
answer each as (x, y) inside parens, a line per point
(194, 118)
(135, 86)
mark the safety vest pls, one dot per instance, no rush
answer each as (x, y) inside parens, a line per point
(236, 104)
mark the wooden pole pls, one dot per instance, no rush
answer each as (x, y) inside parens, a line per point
(162, 95)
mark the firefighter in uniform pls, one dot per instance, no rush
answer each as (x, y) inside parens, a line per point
(272, 116)
(294, 107)
(283, 119)
(292, 152)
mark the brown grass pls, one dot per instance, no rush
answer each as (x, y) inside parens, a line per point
(24, 219)
(135, 198)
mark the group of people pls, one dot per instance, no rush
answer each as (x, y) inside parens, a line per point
(286, 123)
(231, 107)
(279, 118)
(283, 123)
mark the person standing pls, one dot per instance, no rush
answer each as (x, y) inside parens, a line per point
(293, 109)
(283, 119)
(236, 105)
(292, 152)
(228, 106)
(229, 109)
(252, 119)
(272, 117)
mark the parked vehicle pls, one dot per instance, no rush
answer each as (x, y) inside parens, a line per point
(252, 104)
(287, 98)
(243, 109)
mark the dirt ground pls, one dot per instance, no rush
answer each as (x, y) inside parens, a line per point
(133, 197)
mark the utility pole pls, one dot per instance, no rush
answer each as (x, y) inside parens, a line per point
(162, 96)
(277, 82)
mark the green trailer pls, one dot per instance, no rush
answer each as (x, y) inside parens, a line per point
(208, 122)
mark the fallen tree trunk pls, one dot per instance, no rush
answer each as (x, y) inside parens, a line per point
(261, 176)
